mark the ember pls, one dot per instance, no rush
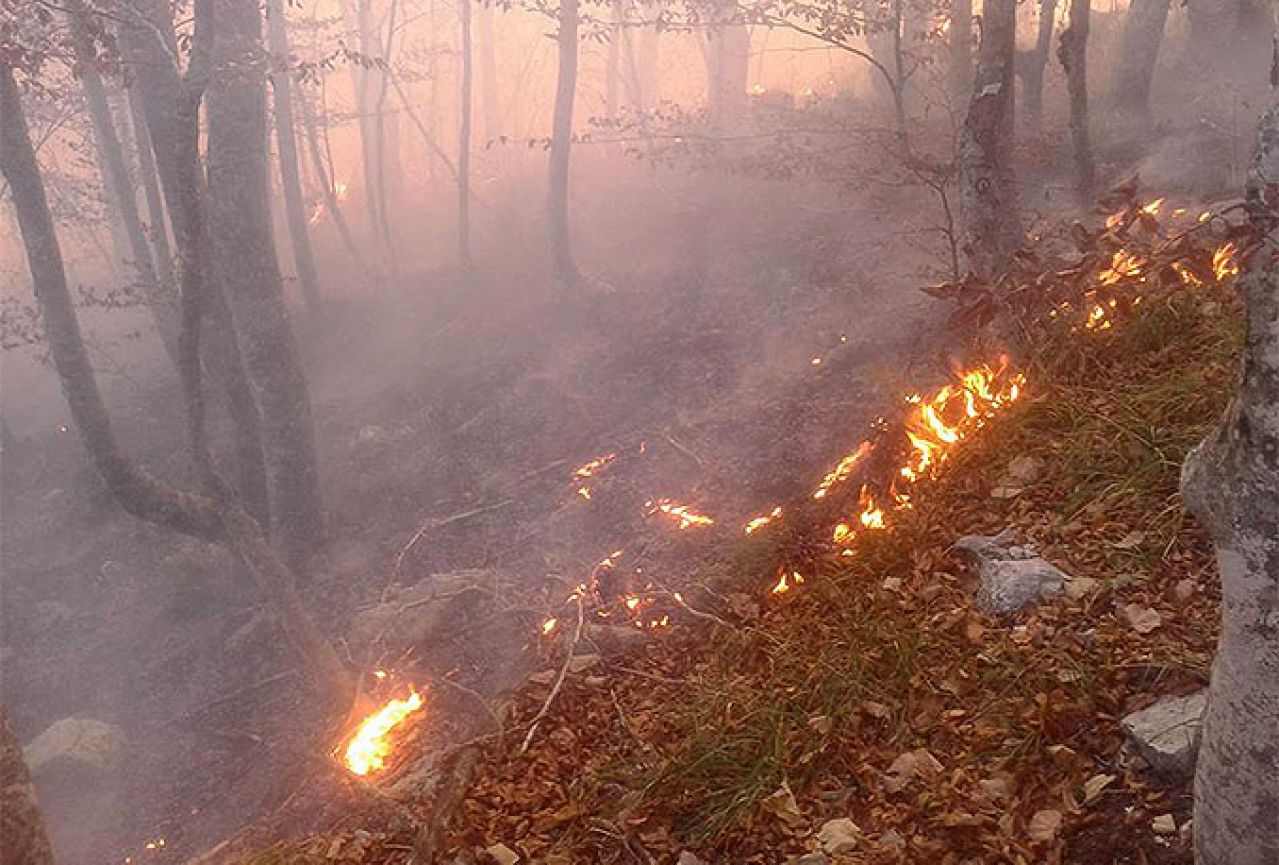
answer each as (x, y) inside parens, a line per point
(757, 523)
(368, 748)
(686, 517)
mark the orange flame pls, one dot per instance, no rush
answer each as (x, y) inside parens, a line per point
(368, 749)
(1224, 263)
(787, 581)
(842, 470)
(682, 514)
(757, 523)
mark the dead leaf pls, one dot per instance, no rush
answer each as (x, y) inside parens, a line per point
(1130, 541)
(781, 803)
(1143, 619)
(502, 855)
(1094, 786)
(1044, 826)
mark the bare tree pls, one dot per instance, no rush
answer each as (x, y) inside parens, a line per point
(21, 823)
(464, 137)
(332, 205)
(287, 144)
(563, 266)
(1032, 64)
(159, 230)
(214, 515)
(1138, 52)
(488, 73)
(987, 195)
(239, 223)
(1073, 54)
(960, 44)
(1229, 483)
(728, 59)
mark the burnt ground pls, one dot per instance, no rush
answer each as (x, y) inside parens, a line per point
(688, 353)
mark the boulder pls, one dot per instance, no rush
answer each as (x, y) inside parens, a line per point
(1012, 576)
(74, 743)
(1166, 734)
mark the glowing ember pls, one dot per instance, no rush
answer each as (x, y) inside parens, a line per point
(842, 470)
(871, 516)
(369, 747)
(589, 469)
(757, 523)
(787, 581)
(1152, 208)
(548, 625)
(686, 517)
(1224, 264)
(1123, 265)
(1187, 275)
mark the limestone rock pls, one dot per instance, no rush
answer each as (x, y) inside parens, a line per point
(1011, 576)
(74, 743)
(1167, 733)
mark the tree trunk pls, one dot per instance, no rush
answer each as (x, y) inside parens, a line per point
(1229, 483)
(1138, 52)
(564, 268)
(116, 172)
(21, 823)
(987, 196)
(172, 121)
(287, 144)
(488, 74)
(613, 60)
(159, 233)
(961, 48)
(1073, 54)
(729, 54)
(1035, 62)
(332, 205)
(464, 139)
(242, 242)
(220, 518)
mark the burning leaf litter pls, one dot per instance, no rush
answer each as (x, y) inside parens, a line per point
(369, 746)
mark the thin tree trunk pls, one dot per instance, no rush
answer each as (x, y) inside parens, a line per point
(1138, 52)
(729, 56)
(1229, 483)
(287, 144)
(332, 205)
(242, 240)
(21, 824)
(488, 74)
(218, 518)
(1035, 62)
(382, 81)
(961, 48)
(116, 172)
(156, 216)
(987, 196)
(1073, 54)
(464, 139)
(612, 61)
(565, 270)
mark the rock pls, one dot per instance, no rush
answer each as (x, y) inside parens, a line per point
(434, 609)
(1077, 588)
(1166, 734)
(1164, 824)
(74, 743)
(688, 857)
(1011, 576)
(838, 836)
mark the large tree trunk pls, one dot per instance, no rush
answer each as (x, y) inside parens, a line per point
(287, 144)
(116, 171)
(464, 138)
(21, 823)
(1138, 52)
(960, 43)
(1073, 54)
(216, 517)
(242, 242)
(159, 232)
(564, 268)
(172, 121)
(987, 195)
(1229, 482)
(1033, 63)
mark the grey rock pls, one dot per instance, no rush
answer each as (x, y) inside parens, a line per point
(1166, 734)
(1012, 576)
(75, 743)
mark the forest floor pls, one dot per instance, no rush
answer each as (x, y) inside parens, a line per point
(875, 690)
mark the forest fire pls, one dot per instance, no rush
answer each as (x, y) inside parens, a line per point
(842, 470)
(588, 470)
(1224, 263)
(786, 581)
(368, 748)
(759, 522)
(681, 514)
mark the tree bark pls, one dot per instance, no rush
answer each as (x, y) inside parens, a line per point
(159, 232)
(216, 517)
(1034, 63)
(1073, 54)
(332, 205)
(564, 268)
(1138, 52)
(287, 144)
(960, 39)
(1229, 482)
(242, 242)
(464, 138)
(21, 824)
(488, 74)
(116, 173)
(987, 196)
(729, 54)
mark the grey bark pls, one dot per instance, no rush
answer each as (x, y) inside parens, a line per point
(242, 242)
(987, 195)
(960, 39)
(21, 823)
(287, 145)
(158, 220)
(464, 137)
(1073, 54)
(217, 516)
(563, 266)
(332, 206)
(1034, 62)
(1229, 482)
(1138, 52)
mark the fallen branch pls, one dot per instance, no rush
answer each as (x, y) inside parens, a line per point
(434, 523)
(559, 680)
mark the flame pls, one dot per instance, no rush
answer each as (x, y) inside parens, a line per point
(787, 581)
(588, 469)
(939, 423)
(548, 625)
(757, 523)
(1187, 275)
(369, 747)
(1224, 263)
(685, 516)
(1123, 265)
(842, 470)
(341, 190)
(1152, 208)
(871, 516)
